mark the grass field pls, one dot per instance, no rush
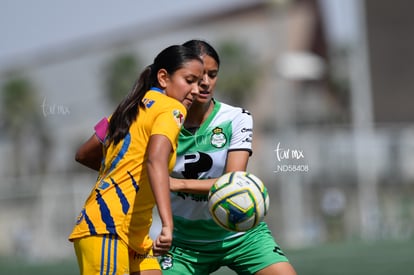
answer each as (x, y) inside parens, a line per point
(395, 258)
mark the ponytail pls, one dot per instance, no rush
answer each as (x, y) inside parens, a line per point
(171, 59)
(128, 109)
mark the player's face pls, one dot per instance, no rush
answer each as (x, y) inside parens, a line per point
(183, 83)
(208, 83)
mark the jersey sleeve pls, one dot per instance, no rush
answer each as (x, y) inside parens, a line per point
(101, 128)
(169, 123)
(242, 131)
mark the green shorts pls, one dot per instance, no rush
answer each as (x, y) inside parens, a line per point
(245, 254)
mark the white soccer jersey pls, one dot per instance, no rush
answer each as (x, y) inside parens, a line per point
(203, 155)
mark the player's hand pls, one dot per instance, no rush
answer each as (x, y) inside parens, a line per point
(163, 242)
(175, 185)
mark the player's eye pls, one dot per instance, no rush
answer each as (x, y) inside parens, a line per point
(191, 80)
(212, 74)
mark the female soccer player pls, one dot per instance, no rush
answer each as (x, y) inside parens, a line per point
(111, 235)
(200, 246)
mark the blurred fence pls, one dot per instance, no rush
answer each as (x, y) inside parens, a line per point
(334, 184)
(312, 177)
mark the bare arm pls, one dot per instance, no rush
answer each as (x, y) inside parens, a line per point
(90, 153)
(236, 161)
(158, 151)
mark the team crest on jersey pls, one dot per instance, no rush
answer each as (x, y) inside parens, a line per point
(218, 138)
(179, 117)
(166, 261)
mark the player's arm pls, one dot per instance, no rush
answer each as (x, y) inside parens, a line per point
(158, 154)
(194, 186)
(90, 153)
(236, 161)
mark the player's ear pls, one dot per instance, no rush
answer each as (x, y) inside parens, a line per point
(163, 78)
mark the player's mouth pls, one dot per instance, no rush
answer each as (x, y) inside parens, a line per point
(203, 93)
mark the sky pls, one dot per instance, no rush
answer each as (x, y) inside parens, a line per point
(31, 25)
(27, 26)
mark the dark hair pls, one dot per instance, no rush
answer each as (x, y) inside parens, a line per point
(201, 47)
(171, 59)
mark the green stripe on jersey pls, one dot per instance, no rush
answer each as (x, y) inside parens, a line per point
(207, 140)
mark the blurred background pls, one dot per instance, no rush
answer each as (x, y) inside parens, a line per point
(328, 83)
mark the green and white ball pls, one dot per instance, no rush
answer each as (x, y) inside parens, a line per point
(238, 201)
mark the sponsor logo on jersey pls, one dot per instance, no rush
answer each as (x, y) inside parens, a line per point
(194, 197)
(244, 130)
(278, 251)
(244, 111)
(81, 216)
(148, 102)
(179, 117)
(248, 138)
(103, 185)
(218, 138)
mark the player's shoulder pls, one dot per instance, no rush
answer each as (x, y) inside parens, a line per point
(157, 100)
(233, 111)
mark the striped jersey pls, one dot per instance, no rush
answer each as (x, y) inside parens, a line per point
(121, 201)
(203, 155)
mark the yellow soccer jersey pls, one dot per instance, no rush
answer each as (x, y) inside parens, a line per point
(121, 201)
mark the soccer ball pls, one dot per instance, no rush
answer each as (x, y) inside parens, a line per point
(238, 201)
